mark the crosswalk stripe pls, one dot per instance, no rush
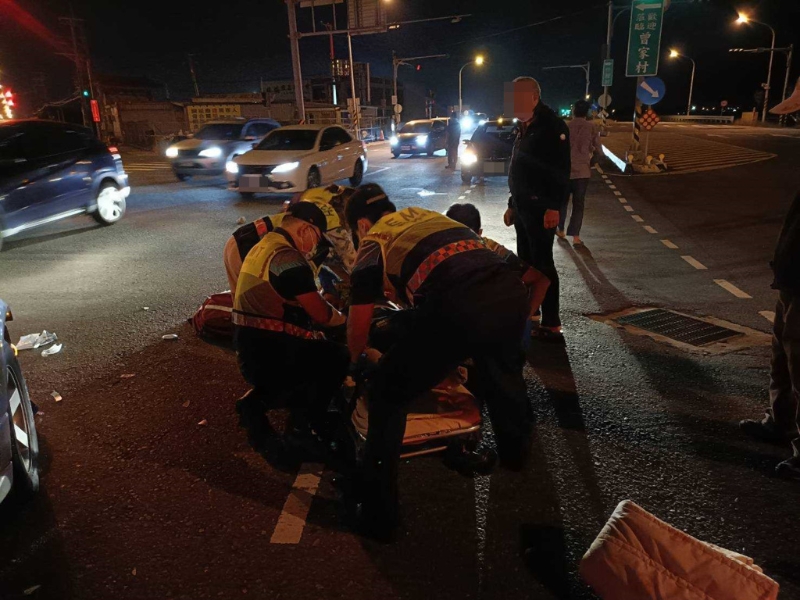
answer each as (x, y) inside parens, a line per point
(692, 153)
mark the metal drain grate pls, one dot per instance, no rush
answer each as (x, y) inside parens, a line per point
(681, 328)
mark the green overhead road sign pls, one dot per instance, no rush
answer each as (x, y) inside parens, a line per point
(644, 38)
(608, 72)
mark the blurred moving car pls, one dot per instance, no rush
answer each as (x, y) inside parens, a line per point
(50, 171)
(489, 150)
(215, 143)
(19, 444)
(424, 136)
(296, 158)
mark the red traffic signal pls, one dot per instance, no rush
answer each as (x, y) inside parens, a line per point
(419, 67)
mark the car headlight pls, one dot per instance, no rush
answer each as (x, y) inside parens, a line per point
(231, 167)
(422, 140)
(482, 122)
(469, 158)
(171, 152)
(213, 152)
(393, 140)
(467, 122)
(286, 167)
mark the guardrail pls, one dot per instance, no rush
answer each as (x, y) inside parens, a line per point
(698, 118)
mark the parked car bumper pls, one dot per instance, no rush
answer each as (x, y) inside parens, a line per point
(486, 168)
(197, 165)
(267, 184)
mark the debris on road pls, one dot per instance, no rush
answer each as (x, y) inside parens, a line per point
(35, 340)
(54, 349)
(145, 308)
(170, 336)
(31, 590)
(204, 422)
(127, 375)
(133, 572)
(241, 221)
(186, 404)
(56, 396)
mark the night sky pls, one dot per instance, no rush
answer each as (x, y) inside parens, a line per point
(236, 43)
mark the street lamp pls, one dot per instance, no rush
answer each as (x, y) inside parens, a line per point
(478, 61)
(745, 18)
(675, 54)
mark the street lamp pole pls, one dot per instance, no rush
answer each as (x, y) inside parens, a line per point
(586, 69)
(478, 61)
(676, 54)
(743, 18)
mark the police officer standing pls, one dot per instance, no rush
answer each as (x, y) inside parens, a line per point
(277, 314)
(468, 303)
(539, 183)
(453, 140)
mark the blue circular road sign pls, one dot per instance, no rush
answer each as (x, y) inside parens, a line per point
(651, 91)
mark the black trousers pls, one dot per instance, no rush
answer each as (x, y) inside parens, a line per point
(452, 155)
(784, 386)
(302, 375)
(535, 247)
(485, 323)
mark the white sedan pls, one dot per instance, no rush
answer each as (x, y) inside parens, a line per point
(298, 157)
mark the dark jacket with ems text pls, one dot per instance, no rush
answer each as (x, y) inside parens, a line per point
(540, 164)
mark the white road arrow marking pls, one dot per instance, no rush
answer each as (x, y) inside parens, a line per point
(653, 92)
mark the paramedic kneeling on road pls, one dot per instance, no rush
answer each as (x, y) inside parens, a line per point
(467, 304)
(277, 311)
(336, 236)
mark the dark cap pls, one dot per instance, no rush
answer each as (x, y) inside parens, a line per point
(310, 213)
(368, 201)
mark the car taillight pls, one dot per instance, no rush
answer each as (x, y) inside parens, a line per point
(113, 149)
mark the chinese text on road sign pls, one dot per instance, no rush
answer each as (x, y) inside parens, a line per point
(644, 41)
(608, 72)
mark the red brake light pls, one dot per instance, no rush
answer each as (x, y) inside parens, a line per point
(113, 149)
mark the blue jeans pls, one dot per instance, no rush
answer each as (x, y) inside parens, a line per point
(578, 190)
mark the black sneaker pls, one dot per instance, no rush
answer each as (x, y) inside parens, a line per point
(789, 469)
(764, 433)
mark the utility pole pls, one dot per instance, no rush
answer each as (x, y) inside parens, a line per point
(789, 52)
(294, 42)
(355, 103)
(77, 58)
(190, 58)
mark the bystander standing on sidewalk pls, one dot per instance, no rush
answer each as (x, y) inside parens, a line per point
(781, 425)
(538, 180)
(584, 143)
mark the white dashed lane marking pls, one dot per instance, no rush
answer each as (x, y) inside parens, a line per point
(649, 229)
(628, 207)
(637, 218)
(725, 285)
(623, 200)
(461, 197)
(617, 193)
(292, 521)
(669, 244)
(611, 186)
(695, 263)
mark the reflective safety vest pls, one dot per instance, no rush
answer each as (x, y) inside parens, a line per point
(258, 305)
(497, 248)
(400, 232)
(249, 235)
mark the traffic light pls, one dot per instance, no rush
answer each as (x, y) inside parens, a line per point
(85, 93)
(419, 67)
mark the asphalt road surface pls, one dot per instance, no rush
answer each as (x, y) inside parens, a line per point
(139, 500)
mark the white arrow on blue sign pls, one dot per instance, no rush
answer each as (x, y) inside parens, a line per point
(651, 90)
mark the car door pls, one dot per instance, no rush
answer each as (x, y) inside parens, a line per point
(329, 156)
(348, 152)
(14, 169)
(61, 180)
(439, 133)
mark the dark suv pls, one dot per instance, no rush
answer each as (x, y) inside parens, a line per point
(418, 137)
(50, 171)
